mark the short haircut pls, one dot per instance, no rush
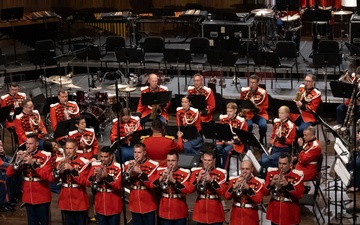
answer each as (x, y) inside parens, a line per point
(140, 145)
(33, 136)
(157, 125)
(62, 91)
(255, 77)
(13, 84)
(285, 155)
(285, 108)
(78, 119)
(311, 129)
(72, 140)
(107, 149)
(232, 105)
(209, 152)
(199, 75)
(26, 101)
(173, 152)
(312, 76)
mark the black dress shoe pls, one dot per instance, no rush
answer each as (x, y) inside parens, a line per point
(5, 208)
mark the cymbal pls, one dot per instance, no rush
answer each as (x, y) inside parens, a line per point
(71, 86)
(325, 7)
(290, 18)
(259, 12)
(60, 79)
(120, 86)
(341, 13)
(128, 89)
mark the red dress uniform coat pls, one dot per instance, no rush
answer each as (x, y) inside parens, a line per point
(86, 142)
(288, 133)
(310, 100)
(173, 202)
(259, 98)
(157, 147)
(145, 110)
(245, 207)
(125, 128)
(60, 112)
(210, 100)
(284, 208)
(73, 196)
(14, 101)
(238, 123)
(208, 207)
(29, 123)
(35, 188)
(141, 198)
(307, 159)
(188, 117)
(108, 199)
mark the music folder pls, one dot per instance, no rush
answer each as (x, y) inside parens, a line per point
(190, 132)
(156, 98)
(341, 89)
(246, 104)
(277, 103)
(217, 131)
(63, 128)
(5, 113)
(198, 101)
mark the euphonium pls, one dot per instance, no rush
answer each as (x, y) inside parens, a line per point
(201, 185)
(128, 172)
(165, 181)
(155, 110)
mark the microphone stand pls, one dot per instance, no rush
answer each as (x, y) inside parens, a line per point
(118, 147)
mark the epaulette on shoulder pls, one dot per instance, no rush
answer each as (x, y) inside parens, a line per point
(178, 108)
(195, 169)
(53, 105)
(191, 87)
(161, 168)
(4, 96)
(73, 132)
(96, 163)
(233, 178)
(135, 118)
(262, 91)
(144, 88)
(318, 93)
(221, 170)
(163, 87)
(245, 88)
(22, 94)
(302, 86)
(114, 120)
(272, 169)
(19, 116)
(117, 164)
(223, 116)
(207, 89)
(142, 138)
(276, 120)
(58, 159)
(184, 170)
(48, 154)
(154, 162)
(195, 110)
(240, 118)
(36, 111)
(72, 102)
(260, 180)
(170, 137)
(298, 172)
(90, 129)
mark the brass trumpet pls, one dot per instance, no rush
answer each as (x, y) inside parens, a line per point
(201, 185)
(97, 178)
(278, 185)
(20, 160)
(165, 181)
(238, 190)
(128, 172)
(61, 167)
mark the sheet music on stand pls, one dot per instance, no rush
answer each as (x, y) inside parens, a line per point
(156, 98)
(342, 172)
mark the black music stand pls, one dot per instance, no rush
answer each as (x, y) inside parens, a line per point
(156, 98)
(136, 136)
(4, 115)
(47, 58)
(190, 132)
(198, 101)
(287, 5)
(172, 55)
(11, 15)
(246, 104)
(249, 139)
(277, 103)
(341, 90)
(217, 131)
(82, 17)
(63, 128)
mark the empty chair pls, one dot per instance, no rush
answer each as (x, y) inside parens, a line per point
(245, 52)
(328, 55)
(112, 42)
(198, 48)
(288, 53)
(153, 50)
